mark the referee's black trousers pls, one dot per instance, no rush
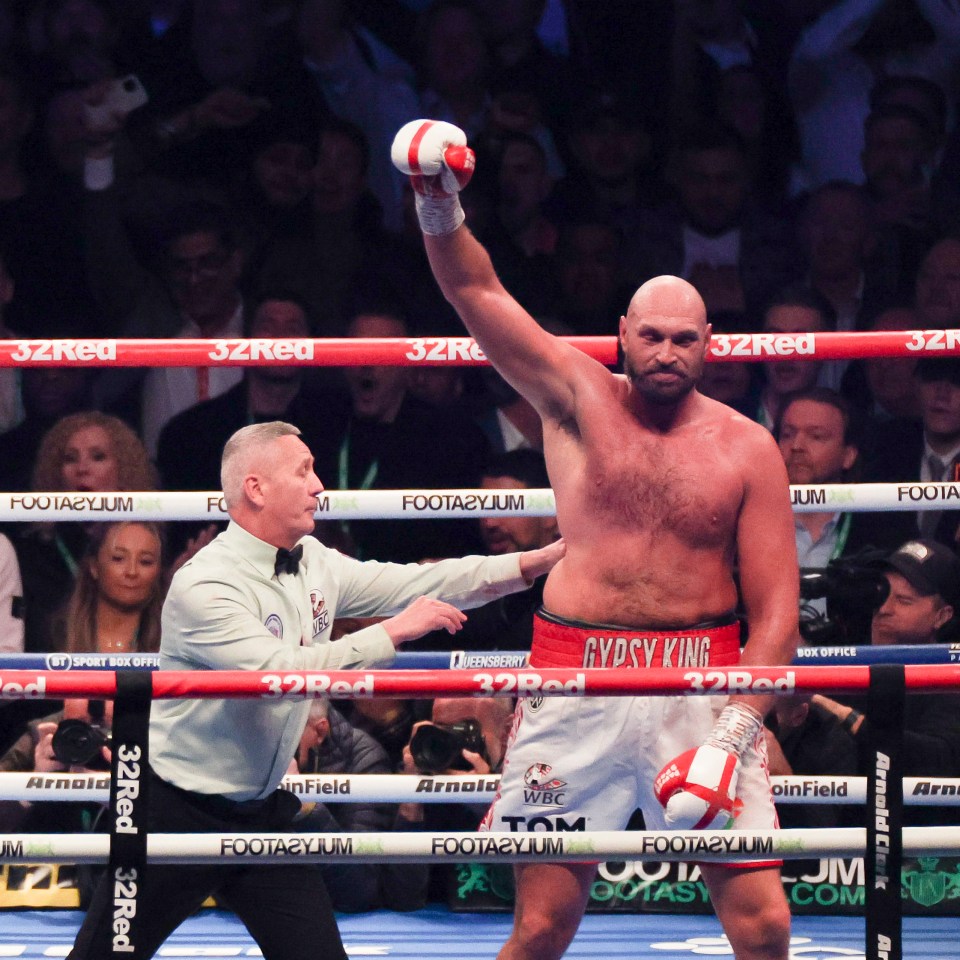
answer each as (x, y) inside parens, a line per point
(285, 907)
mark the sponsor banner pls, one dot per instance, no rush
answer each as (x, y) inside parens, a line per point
(152, 505)
(31, 690)
(854, 497)
(315, 685)
(464, 660)
(430, 350)
(253, 351)
(415, 504)
(522, 503)
(38, 353)
(101, 661)
(766, 345)
(930, 886)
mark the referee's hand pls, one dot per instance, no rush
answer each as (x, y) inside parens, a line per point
(422, 616)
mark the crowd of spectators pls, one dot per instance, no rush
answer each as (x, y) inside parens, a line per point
(197, 168)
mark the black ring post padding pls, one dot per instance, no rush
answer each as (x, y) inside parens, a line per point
(127, 813)
(882, 761)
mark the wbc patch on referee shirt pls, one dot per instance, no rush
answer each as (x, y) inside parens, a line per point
(321, 615)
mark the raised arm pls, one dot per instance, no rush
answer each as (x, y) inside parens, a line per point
(537, 364)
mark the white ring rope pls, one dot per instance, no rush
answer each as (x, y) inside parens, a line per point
(468, 788)
(417, 504)
(493, 847)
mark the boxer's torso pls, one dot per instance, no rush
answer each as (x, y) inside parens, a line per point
(650, 517)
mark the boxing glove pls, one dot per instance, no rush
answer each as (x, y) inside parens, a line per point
(698, 789)
(435, 156)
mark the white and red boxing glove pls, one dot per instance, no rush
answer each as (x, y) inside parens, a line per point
(435, 156)
(698, 789)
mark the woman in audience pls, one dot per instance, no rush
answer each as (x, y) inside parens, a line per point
(88, 454)
(114, 607)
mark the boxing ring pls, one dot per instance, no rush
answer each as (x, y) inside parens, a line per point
(131, 683)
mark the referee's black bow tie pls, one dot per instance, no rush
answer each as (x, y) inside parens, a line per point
(288, 561)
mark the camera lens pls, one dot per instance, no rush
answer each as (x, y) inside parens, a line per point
(76, 742)
(434, 748)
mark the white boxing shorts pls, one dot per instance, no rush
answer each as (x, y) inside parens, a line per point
(586, 763)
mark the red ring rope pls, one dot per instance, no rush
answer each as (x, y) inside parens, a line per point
(442, 351)
(347, 684)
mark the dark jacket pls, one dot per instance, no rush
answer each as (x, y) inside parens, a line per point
(898, 461)
(352, 887)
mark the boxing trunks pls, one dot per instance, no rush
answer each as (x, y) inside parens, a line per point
(586, 763)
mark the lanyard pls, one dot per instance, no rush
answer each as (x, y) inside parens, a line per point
(65, 555)
(343, 477)
(842, 535)
(344, 467)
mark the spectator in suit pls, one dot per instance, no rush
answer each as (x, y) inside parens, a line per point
(938, 286)
(927, 451)
(898, 158)
(839, 238)
(736, 384)
(194, 293)
(343, 245)
(610, 174)
(360, 79)
(713, 234)
(521, 238)
(884, 388)
(794, 309)
(188, 452)
(380, 437)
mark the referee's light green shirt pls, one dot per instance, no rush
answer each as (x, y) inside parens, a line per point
(227, 610)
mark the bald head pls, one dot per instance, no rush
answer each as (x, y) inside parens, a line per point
(664, 337)
(668, 296)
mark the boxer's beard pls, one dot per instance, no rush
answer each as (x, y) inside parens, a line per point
(658, 393)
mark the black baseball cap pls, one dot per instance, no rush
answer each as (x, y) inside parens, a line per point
(929, 567)
(937, 369)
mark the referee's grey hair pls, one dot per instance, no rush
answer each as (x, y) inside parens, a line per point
(240, 451)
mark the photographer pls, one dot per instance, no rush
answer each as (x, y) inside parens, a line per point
(465, 735)
(922, 579)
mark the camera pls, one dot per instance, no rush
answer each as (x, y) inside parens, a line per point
(77, 742)
(854, 589)
(437, 747)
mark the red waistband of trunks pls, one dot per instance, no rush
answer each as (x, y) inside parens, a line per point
(558, 642)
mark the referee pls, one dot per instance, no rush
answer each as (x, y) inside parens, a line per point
(263, 596)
